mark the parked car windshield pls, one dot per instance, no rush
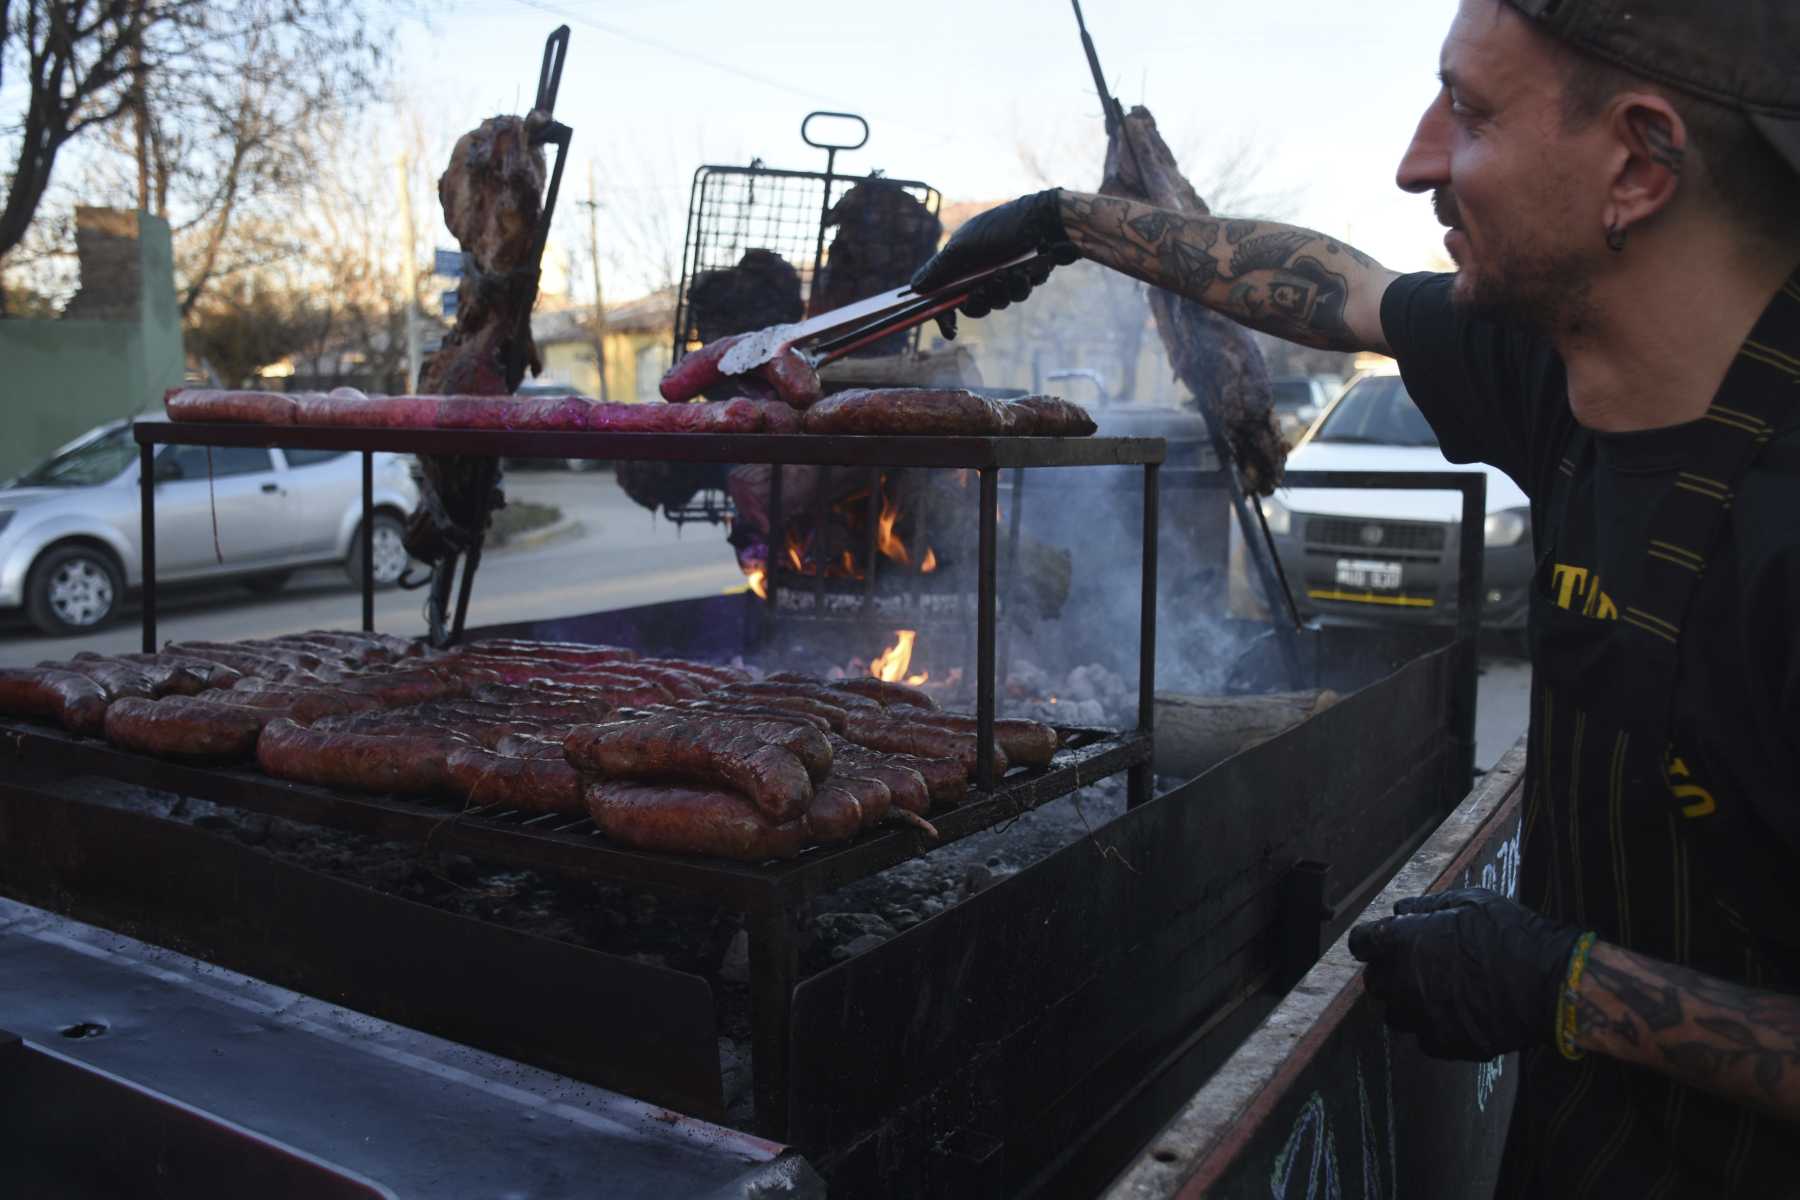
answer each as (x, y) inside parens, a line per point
(1289, 394)
(1378, 412)
(87, 465)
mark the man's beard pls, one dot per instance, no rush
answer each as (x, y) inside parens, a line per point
(1545, 291)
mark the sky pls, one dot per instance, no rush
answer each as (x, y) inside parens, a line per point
(1321, 95)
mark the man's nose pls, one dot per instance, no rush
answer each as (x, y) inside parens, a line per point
(1426, 164)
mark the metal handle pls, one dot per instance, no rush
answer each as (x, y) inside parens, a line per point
(271, 487)
(807, 138)
(556, 48)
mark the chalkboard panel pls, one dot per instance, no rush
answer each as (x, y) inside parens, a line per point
(1323, 1100)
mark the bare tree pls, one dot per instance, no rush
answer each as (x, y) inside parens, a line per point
(80, 60)
(226, 95)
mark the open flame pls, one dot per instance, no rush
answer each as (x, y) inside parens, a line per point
(885, 541)
(891, 664)
(793, 552)
(930, 563)
(758, 580)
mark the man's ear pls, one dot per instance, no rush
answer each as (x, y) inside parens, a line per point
(1655, 140)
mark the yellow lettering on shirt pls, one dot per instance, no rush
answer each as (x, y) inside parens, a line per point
(1700, 801)
(1576, 589)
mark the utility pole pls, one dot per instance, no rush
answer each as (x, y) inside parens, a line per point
(592, 204)
(412, 276)
(140, 109)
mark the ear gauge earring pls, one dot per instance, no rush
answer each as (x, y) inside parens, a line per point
(1615, 237)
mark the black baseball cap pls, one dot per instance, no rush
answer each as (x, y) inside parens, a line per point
(1744, 54)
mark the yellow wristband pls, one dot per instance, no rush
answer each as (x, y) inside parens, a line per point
(1565, 1001)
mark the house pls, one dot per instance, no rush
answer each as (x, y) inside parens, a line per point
(639, 334)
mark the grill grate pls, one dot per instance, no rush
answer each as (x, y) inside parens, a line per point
(733, 210)
(1351, 533)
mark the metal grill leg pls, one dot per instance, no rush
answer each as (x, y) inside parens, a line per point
(774, 969)
(368, 541)
(984, 638)
(147, 536)
(1140, 783)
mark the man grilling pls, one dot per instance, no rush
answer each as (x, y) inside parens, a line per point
(1621, 183)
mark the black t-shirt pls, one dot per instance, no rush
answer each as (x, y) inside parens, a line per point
(1499, 395)
(1686, 852)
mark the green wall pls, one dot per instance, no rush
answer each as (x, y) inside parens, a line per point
(60, 378)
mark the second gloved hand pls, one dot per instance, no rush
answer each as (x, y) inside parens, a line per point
(1473, 974)
(1029, 224)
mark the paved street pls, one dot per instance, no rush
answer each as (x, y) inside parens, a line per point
(620, 557)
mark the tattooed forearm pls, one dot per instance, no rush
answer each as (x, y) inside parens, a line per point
(1736, 1041)
(1290, 282)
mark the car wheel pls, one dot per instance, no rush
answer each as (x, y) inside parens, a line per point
(73, 589)
(268, 583)
(387, 538)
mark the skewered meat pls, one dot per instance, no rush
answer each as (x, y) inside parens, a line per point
(1027, 743)
(183, 727)
(879, 690)
(760, 759)
(1214, 356)
(690, 820)
(540, 784)
(74, 701)
(363, 762)
(880, 731)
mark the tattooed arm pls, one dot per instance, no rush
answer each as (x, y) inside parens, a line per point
(1735, 1041)
(1286, 281)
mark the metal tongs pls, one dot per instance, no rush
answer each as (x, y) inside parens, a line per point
(831, 335)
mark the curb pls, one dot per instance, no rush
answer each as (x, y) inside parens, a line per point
(568, 527)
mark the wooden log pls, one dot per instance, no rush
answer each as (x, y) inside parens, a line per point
(1196, 732)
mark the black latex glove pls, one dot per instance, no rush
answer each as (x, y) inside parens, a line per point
(1473, 974)
(1030, 223)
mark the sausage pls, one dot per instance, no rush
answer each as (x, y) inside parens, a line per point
(804, 741)
(793, 378)
(757, 759)
(690, 820)
(394, 688)
(1027, 743)
(116, 679)
(872, 795)
(74, 701)
(183, 727)
(285, 658)
(738, 415)
(906, 784)
(547, 413)
(908, 411)
(613, 690)
(368, 412)
(364, 762)
(880, 731)
(204, 404)
(836, 812)
(540, 784)
(211, 674)
(765, 712)
(725, 675)
(866, 686)
(575, 651)
(1050, 416)
(681, 684)
(304, 705)
(696, 371)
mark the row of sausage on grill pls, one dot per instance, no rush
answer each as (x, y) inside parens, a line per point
(664, 754)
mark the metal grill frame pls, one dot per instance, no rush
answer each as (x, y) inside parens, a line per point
(771, 910)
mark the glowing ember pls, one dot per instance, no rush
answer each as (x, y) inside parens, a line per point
(930, 563)
(885, 541)
(891, 664)
(793, 552)
(757, 579)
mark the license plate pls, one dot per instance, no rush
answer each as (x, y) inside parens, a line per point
(1367, 573)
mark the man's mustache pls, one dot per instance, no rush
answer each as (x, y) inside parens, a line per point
(1443, 203)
